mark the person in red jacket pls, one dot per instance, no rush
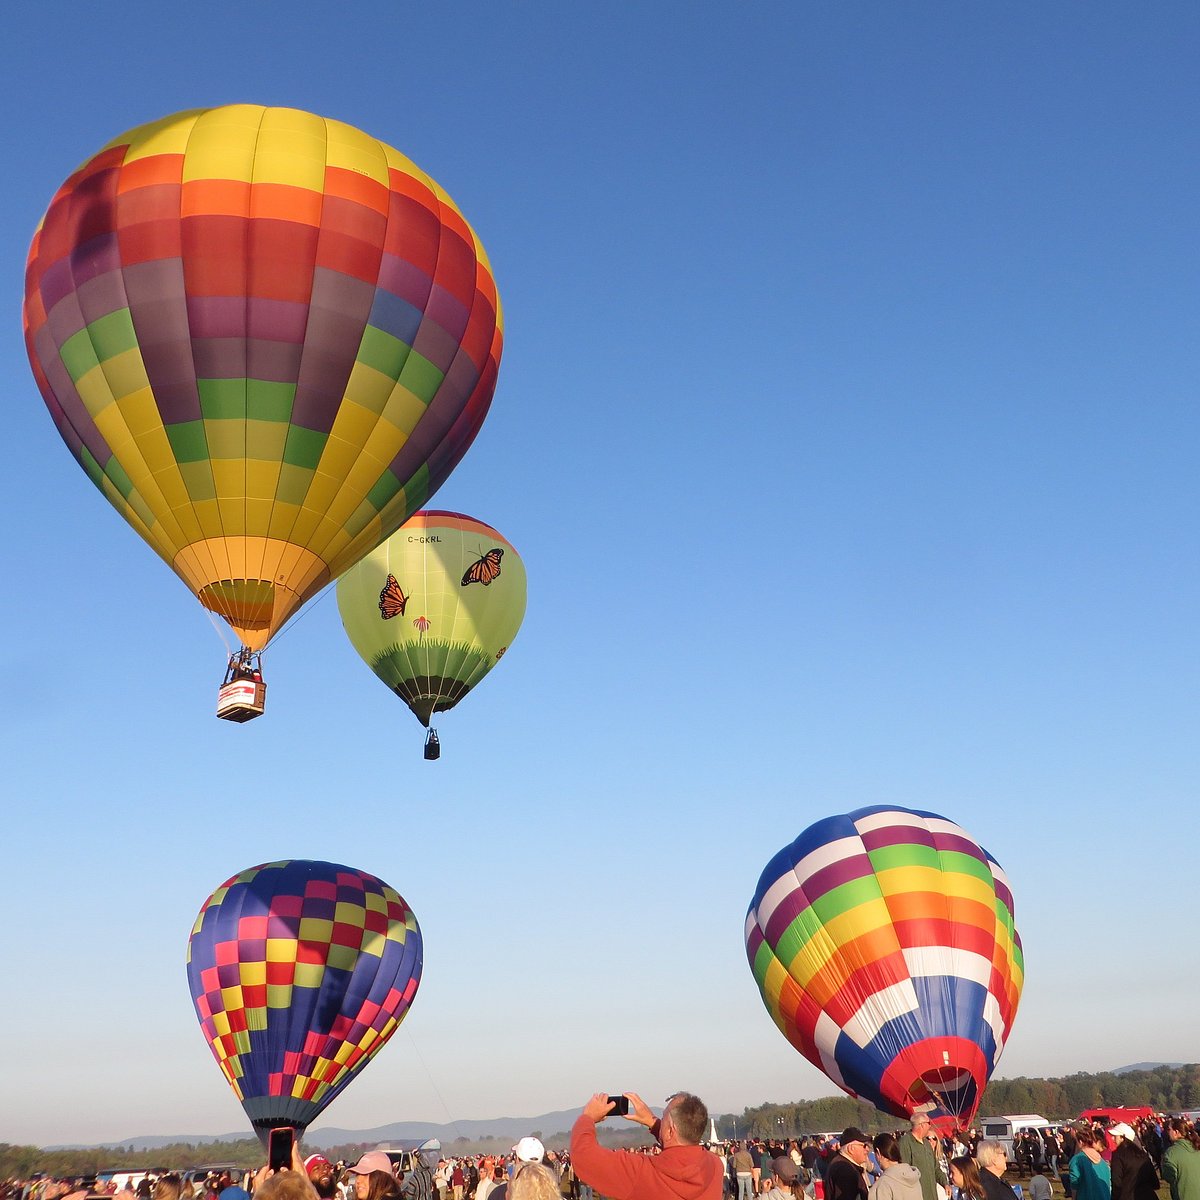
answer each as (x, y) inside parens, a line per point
(682, 1170)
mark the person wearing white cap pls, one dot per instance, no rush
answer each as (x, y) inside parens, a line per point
(1133, 1174)
(527, 1150)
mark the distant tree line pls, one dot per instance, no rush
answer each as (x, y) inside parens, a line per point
(1165, 1089)
(247, 1153)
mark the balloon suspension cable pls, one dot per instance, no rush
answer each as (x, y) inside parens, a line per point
(433, 1083)
(296, 618)
(220, 628)
(433, 747)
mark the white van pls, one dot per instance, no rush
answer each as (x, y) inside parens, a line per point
(1002, 1129)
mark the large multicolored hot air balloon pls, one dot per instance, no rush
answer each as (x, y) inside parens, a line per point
(434, 608)
(267, 338)
(884, 947)
(300, 971)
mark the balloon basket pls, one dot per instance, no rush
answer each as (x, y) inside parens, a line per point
(433, 748)
(243, 694)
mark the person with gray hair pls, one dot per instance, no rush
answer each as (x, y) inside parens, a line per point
(682, 1170)
(916, 1151)
(993, 1159)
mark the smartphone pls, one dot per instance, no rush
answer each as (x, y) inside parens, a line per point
(620, 1106)
(279, 1148)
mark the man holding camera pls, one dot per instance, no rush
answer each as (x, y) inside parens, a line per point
(684, 1170)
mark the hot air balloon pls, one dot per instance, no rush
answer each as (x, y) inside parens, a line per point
(433, 609)
(884, 947)
(300, 971)
(267, 338)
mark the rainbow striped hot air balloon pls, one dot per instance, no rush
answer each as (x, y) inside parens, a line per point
(267, 338)
(884, 947)
(300, 971)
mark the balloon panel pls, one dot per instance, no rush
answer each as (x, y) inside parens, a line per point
(884, 946)
(300, 971)
(434, 607)
(267, 338)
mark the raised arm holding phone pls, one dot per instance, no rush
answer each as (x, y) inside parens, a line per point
(683, 1170)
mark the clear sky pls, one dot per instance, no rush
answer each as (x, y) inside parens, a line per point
(847, 427)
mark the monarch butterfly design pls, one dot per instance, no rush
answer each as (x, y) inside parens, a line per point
(392, 599)
(484, 569)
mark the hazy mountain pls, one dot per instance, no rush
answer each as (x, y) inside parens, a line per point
(399, 1131)
(418, 1131)
(1144, 1067)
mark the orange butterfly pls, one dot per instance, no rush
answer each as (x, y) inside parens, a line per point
(392, 599)
(485, 569)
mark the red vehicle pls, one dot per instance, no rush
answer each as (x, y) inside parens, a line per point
(1112, 1116)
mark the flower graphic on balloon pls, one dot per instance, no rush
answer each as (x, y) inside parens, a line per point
(422, 624)
(500, 653)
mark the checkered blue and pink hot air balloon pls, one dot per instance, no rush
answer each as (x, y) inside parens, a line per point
(300, 971)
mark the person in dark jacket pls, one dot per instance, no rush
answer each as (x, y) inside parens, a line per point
(993, 1159)
(846, 1177)
(1133, 1174)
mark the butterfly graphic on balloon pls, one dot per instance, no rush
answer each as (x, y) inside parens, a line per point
(393, 601)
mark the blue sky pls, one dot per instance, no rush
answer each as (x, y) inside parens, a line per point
(846, 425)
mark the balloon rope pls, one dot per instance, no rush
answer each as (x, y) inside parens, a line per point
(296, 618)
(220, 631)
(433, 1083)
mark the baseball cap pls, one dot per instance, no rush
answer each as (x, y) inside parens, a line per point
(373, 1160)
(1122, 1130)
(852, 1134)
(529, 1149)
(785, 1169)
(316, 1160)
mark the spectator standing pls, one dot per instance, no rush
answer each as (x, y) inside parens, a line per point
(964, 1175)
(320, 1174)
(1090, 1175)
(373, 1178)
(1181, 1160)
(897, 1180)
(845, 1177)
(916, 1151)
(682, 1170)
(742, 1166)
(527, 1150)
(993, 1160)
(1133, 1174)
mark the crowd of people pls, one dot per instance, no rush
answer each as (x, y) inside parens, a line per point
(1089, 1162)
(1120, 1162)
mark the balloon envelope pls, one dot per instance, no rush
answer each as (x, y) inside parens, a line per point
(884, 947)
(434, 608)
(267, 338)
(300, 971)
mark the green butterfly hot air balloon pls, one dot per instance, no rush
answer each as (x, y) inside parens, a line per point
(433, 609)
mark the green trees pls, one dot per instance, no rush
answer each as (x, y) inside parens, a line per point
(1165, 1089)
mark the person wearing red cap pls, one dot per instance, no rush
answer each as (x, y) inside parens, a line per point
(320, 1174)
(684, 1170)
